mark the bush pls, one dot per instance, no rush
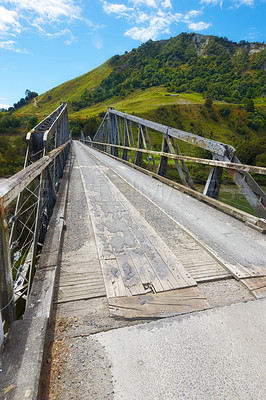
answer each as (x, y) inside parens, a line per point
(225, 112)
(208, 102)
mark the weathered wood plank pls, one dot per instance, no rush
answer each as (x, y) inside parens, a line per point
(73, 280)
(257, 286)
(113, 281)
(145, 270)
(176, 275)
(204, 161)
(118, 227)
(129, 274)
(79, 296)
(159, 305)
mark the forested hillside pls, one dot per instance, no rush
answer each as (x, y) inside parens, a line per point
(189, 62)
(208, 65)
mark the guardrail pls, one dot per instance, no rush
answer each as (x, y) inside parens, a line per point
(26, 205)
(128, 137)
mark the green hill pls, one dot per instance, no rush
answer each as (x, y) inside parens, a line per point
(188, 63)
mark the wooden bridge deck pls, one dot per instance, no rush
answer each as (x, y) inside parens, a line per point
(129, 249)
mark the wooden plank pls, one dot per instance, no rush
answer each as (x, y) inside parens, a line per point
(118, 226)
(204, 161)
(176, 275)
(145, 270)
(79, 281)
(81, 288)
(129, 274)
(80, 268)
(80, 296)
(113, 281)
(88, 284)
(257, 286)
(159, 305)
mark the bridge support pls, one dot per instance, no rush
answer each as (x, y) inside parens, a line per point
(126, 141)
(213, 184)
(162, 169)
(138, 161)
(7, 305)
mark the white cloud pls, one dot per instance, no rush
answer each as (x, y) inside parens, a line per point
(21, 15)
(198, 26)
(211, 2)
(11, 45)
(63, 32)
(151, 18)
(237, 3)
(148, 18)
(167, 4)
(119, 9)
(155, 25)
(50, 10)
(245, 2)
(8, 20)
(147, 3)
(192, 14)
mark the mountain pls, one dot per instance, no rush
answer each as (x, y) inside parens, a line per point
(186, 64)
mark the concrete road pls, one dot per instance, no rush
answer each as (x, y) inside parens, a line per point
(211, 355)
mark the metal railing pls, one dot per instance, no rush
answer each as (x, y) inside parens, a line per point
(129, 137)
(26, 205)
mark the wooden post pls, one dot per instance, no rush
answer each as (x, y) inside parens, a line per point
(7, 305)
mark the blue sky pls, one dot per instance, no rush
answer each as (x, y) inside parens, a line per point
(46, 42)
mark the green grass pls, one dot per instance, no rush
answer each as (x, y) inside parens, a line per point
(260, 101)
(137, 102)
(141, 101)
(67, 92)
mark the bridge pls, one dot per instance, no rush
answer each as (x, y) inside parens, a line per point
(95, 237)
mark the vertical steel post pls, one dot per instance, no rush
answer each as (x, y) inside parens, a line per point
(150, 147)
(213, 184)
(138, 161)
(124, 155)
(162, 169)
(1, 331)
(7, 305)
(116, 135)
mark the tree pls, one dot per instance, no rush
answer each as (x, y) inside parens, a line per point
(91, 126)
(208, 102)
(30, 95)
(250, 107)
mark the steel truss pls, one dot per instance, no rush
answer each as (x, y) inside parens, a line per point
(128, 137)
